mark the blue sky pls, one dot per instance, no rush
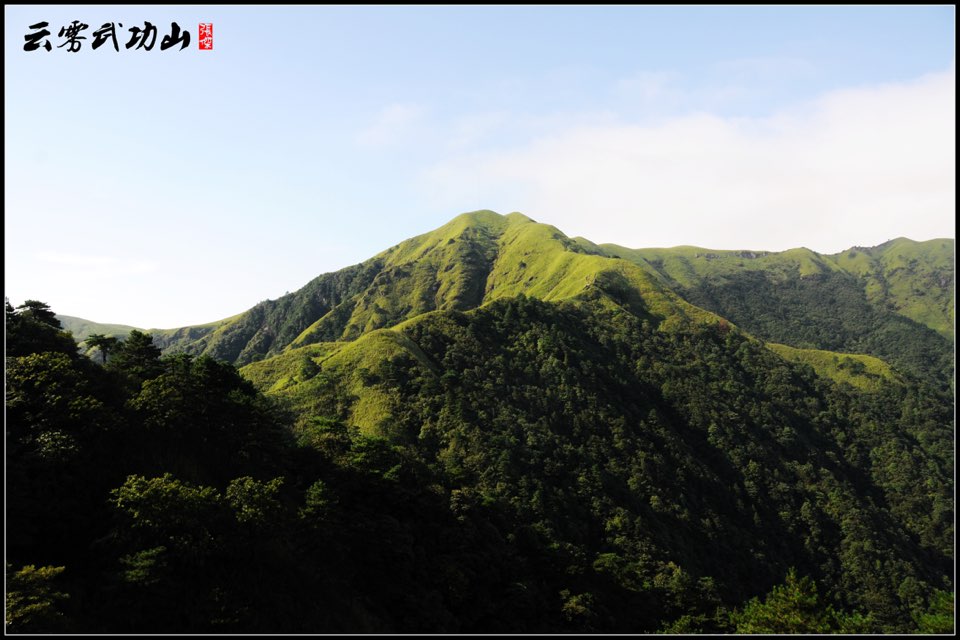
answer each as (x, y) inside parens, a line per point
(166, 188)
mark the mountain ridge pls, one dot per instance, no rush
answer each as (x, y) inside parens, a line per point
(877, 265)
(482, 256)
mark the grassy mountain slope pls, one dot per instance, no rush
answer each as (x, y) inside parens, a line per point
(894, 302)
(474, 259)
(915, 279)
(480, 257)
(863, 372)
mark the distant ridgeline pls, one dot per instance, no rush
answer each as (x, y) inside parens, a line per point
(493, 427)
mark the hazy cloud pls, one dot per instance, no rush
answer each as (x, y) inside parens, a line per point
(858, 166)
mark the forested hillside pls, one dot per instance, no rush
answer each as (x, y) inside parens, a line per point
(496, 428)
(538, 467)
(894, 301)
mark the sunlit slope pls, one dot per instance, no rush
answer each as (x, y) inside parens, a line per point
(915, 279)
(313, 378)
(863, 372)
(474, 259)
(480, 257)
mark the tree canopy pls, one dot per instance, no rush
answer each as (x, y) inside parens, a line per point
(530, 467)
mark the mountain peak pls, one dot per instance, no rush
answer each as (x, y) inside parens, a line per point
(482, 256)
(484, 219)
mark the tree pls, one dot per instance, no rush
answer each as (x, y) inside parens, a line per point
(255, 503)
(33, 328)
(105, 344)
(138, 357)
(164, 510)
(168, 533)
(40, 311)
(33, 600)
(938, 618)
(206, 423)
(794, 607)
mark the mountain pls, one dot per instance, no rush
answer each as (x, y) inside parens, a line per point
(579, 385)
(474, 259)
(914, 279)
(493, 427)
(81, 329)
(641, 456)
(894, 302)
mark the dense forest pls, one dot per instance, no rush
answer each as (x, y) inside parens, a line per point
(524, 466)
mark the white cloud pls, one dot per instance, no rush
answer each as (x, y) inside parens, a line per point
(394, 124)
(858, 166)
